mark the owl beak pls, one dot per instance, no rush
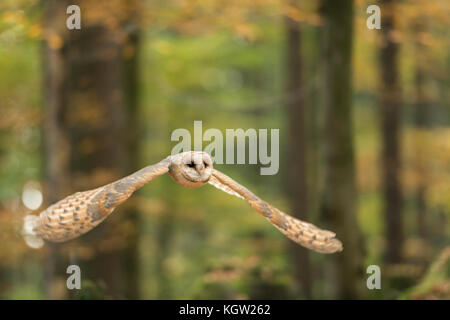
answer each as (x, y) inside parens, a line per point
(200, 167)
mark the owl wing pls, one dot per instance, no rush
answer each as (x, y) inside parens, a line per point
(82, 211)
(303, 233)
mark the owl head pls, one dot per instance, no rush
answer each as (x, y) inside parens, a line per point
(191, 169)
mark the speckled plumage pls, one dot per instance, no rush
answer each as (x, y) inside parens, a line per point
(83, 211)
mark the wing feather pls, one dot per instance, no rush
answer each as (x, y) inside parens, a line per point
(82, 211)
(303, 233)
(216, 183)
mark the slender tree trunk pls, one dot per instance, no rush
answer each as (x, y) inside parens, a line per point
(131, 96)
(421, 116)
(340, 201)
(90, 119)
(297, 155)
(56, 140)
(421, 121)
(390, 130)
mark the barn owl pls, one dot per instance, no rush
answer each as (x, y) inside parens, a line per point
(81, 212)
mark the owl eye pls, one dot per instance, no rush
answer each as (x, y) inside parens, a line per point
(206, 165)
(191, 165)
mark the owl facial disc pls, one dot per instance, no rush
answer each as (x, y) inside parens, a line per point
(191, 169)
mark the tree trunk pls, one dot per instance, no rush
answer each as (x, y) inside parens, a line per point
(421, 116)
(131, 93)
(89, 122)
(390, 130)
(339, 205)
(297, 155)
(56, 141)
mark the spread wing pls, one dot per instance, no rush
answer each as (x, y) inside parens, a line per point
(303, 233)
(82, 211)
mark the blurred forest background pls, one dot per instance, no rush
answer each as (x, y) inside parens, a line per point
(364, 145)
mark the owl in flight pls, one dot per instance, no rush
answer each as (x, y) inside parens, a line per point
(79, 213)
